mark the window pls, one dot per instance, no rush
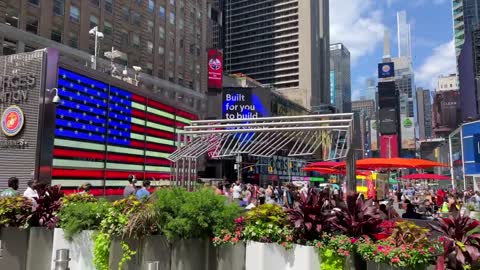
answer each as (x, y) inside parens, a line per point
(181, 43)
(161, 50)
(172, 2)
(126, 14)
(161, 32)
(149, 47)
(198, 51)
(150, 26)
(73, 39)
(74, 14)
(180, 60)
(192, 48)
(136, 19)
(9, 47)
(180, 23)
(11, 17)
(172, 17)
(161, 12)
(95, 2)
(170, 76)
(109, 6)
(149, 68)
(56, 35)
(59, 7)
(197, 68)
(136, 40)
(93, 21)
(32, 25)
(151, 6)
(34, 2)
(171, 57)
(124, 38)
(107, 28)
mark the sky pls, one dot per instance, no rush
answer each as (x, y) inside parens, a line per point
(360, 24)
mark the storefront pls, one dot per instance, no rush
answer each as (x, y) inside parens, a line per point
(101, 131)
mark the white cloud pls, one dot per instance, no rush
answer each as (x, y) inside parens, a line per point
(357, 24)
(442, 61)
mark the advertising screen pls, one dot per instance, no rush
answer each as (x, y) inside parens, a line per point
(238, 103)
(388, 121)
(215, 69)
(386, 70)
(445, 110)
(373, 135)
(408, 132)
(389, 146)
(104, 134)
(387, 96)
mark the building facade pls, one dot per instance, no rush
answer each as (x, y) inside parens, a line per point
(166, 39)
(403, 35)
(215, 24)
(466, 17)
(404, 82)
(468, 74)
(342, 89)
(448, 83)
(370, 89)
(367, 106)
(283, 44)
(424, 113)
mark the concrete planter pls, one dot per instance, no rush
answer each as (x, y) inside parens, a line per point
(382, 266)
(274, 256)
(152, 248)
(193, 254)
(13, 248)
(231, 257)
(40, 246)
(80, 247)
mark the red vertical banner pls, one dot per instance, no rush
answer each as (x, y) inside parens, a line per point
(215, 69)
(389, 146)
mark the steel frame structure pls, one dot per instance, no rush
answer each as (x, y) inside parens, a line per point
(262, 137)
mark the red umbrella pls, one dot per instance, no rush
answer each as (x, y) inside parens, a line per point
(426, 176)
(396, 163)
(326, 164)
(333, 171)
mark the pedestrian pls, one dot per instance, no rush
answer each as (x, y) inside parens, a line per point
(130, 189)
(237, 192)
(31, 191)
(85, 188)
(12, 189)
(143, 193)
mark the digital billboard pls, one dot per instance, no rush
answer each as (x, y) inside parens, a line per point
(387, 95)
(389, 146)
(373, 135)
(388, 121)
(386, 70)
(215, 69)
(242, 103)
(407, 128)
(446, 110)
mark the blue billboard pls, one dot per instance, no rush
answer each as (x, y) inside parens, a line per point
(386, 70)
(471, 147)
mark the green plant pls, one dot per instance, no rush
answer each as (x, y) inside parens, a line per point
(79, 215)
(114, 224)
(127, 254)
(408, 233)
(47, 205)
(77, 198)
(471, 207)
(15, 211)
(333, 249)
(267, 213)
(331, 260)
(185, 215)
(405, 255)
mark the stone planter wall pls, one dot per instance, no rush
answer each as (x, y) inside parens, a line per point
(231, 257)
(14, 248)
(274, 256)
(40, 246)
(382, 266)
(80, 246)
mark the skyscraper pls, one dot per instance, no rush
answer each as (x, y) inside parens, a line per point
(215, 24)
(404, 35)
(340, 66)
(466, 17)
(370, 89)
(284, 44)
(424, 113)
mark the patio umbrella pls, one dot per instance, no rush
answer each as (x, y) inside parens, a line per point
(396, 163)
(426, 176)
(332, 171)
(326, 164)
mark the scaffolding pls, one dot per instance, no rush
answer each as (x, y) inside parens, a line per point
(327, 136)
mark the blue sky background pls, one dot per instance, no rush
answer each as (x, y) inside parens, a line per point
(360, 24)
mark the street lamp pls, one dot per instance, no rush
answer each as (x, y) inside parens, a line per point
(56, 98)
(94, 32)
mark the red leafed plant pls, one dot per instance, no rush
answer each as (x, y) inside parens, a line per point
(461, 242)
(357, 218)
(309, 218)
(48, 203)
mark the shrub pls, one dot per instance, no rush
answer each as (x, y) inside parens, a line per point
(15, 211)
(48, 204)
(185, 215)
(77, 198)
(267, 213)
(77, 216)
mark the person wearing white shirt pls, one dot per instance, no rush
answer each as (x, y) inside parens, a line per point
(237, 191)
(30, 192)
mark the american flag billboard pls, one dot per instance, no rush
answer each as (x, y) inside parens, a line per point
(104, 133)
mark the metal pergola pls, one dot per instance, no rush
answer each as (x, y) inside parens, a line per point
(327, 136)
